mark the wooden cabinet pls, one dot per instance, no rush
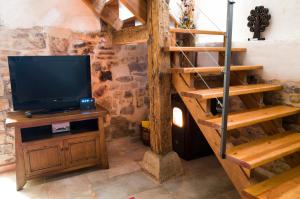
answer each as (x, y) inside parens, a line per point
(70, 152)
(43, 157)
(82, 151)
(39, 152)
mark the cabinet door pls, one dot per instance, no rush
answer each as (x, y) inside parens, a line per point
(43, 157)
(82, 151)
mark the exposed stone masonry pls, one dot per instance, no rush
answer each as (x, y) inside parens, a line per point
(119, 76)
(288, 96)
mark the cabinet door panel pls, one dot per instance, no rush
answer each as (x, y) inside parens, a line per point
(82, 151)
(43, 157)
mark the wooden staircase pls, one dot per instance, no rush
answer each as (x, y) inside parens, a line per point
(251, 117)
(202, 49)
(283, 186)
(205, 94)
(241, 159)
(266, 150)
(212, 69)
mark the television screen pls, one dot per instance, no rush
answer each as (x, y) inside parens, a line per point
(49, 82)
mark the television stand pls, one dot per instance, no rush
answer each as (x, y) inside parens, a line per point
(39, 152)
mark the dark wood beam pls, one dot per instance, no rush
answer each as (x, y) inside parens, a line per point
(98, 5)
(107, 11)
(110, 14)
(111, 2)
(159, 82)
(138, 8)
(135, 34)
(95, 5)
(160, 162)
(129, 22)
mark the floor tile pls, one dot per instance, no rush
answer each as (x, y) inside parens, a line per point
(159, 193)
(121, 187)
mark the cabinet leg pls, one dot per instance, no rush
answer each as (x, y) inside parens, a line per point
(103, 150)
(21, 181)
(20, 165)
(20, 172)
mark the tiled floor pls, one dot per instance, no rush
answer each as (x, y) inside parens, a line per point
(204, 179)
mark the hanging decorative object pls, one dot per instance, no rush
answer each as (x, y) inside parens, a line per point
(187, 16)
(258, 21)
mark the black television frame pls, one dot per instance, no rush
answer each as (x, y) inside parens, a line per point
(53, 105)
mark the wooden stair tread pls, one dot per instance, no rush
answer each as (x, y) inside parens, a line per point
(233, 91)
(251, 117)
(265, 150)
(195, 31)
(202, 49)
(213, 69)
(283, 186)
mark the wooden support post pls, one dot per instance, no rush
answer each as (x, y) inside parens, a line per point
(189, 40)
(175, 60)
(221, 59)
(159, 82)
(161, 162)
(173, 39)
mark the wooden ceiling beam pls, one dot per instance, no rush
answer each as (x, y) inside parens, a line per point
(130, 35)
(107, 11)
(111, 2)
(98, 5)
(138, 9)
(130, 22)
(110, 14)
(95, 5)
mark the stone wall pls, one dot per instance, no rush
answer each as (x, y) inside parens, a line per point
(289, 95)
(119, 75)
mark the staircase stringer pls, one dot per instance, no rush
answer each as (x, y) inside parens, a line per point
(236, 174)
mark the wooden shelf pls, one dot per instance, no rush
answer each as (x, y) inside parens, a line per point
(213, 69)
(265, 150)
(283, 186)
(202, 49)
(234, 91)
(16, 119)
(195, 31)
(251, 117)
(45, 132)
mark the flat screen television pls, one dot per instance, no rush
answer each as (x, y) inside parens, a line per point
(49, 82)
